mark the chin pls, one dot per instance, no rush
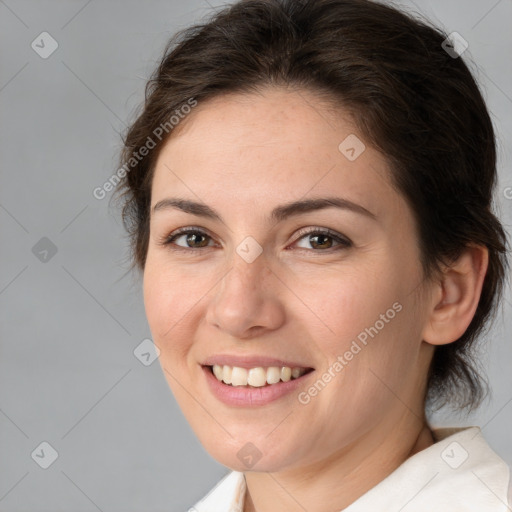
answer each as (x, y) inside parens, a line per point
(247, 457)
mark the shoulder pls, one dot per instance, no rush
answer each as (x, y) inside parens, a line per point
(459, 472)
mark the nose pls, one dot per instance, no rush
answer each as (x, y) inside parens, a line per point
(247, 301)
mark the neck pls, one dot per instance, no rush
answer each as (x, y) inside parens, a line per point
(332, 485)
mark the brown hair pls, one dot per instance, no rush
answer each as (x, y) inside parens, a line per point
(414, 102)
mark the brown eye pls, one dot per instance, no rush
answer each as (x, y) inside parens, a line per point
(196, 238)
(324, 239)
(191, 239)
(321, 241)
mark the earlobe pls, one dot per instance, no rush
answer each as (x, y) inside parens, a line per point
(458, 293)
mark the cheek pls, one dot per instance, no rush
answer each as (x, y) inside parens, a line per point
(157, 301)
(349, 302)
(169, 313)
(369, 316)
(168, 303)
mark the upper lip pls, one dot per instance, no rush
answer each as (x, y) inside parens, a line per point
(251, 361)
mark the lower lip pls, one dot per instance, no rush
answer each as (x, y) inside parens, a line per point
(248, 396)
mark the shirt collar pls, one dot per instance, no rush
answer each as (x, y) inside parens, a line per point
(459, 472)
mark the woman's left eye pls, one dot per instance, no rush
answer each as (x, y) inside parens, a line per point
(323, 239)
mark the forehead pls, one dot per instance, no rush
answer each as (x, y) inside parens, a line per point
(271, 117)
(265, 148)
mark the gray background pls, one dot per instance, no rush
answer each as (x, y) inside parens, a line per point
(69, 325)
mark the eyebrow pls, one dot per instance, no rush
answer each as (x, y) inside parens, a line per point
(278, 214)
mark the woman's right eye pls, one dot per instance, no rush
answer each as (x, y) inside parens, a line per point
(191, 239)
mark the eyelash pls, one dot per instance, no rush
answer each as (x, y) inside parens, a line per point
(344, 243)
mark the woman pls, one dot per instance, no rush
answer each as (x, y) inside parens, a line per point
(308, 194)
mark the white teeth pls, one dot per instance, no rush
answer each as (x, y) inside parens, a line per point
(296, 372)
(273, 375)
(256, 377)
(227, 371)
(286, 373)
(239, 376)
(217, 371)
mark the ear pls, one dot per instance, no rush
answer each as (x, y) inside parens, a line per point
(455, 296)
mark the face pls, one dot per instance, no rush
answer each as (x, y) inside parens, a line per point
(332, 288)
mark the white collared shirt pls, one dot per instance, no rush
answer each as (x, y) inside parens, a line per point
(458, 473)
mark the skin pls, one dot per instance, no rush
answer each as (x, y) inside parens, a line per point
(243, 155)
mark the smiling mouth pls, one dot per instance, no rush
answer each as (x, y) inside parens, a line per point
(256, 377)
